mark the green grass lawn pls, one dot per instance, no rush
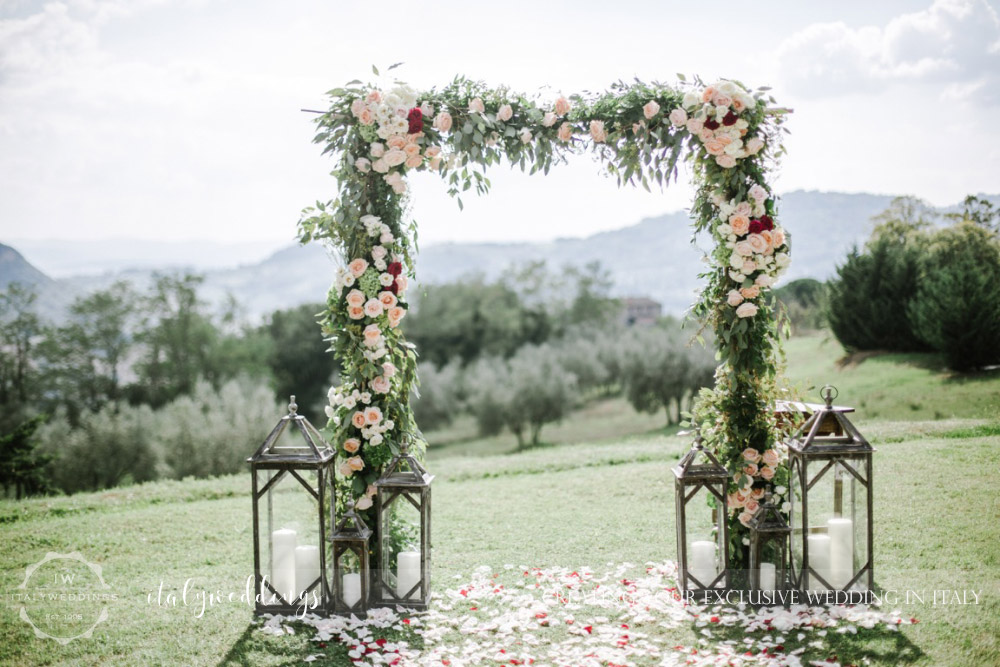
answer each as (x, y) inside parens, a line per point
(590, 499)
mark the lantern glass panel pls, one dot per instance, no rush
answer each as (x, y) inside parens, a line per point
(795, 517)
(402, 564)
(289, 534)
(351, 589)
(703, 540)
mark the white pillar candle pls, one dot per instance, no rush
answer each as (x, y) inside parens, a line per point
(841, 551)
(283, 562)
(702, 565)
(306, 567)
(819, 559)
(767, 574)
(407, 573)
(352, 588)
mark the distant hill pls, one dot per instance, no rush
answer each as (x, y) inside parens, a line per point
(653, 258)
(14, 268)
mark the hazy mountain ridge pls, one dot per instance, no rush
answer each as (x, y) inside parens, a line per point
(654, 258)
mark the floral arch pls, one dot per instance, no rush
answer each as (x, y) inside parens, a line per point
(639, 131)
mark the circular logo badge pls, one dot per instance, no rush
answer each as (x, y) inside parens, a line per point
(64, 597)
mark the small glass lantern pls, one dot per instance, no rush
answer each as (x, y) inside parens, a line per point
(769, 533)
(700, 483)
(350, 564)
(293, 500)
(831, 494)
(403, 502)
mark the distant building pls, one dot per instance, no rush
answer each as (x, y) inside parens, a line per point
(640, 310)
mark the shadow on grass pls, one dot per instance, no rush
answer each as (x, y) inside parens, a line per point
(255, 648)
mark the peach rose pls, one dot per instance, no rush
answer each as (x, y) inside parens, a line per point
(380, 166)
(345, 469)
(751, 454)
(442, 122)
(388, 369)
(747, 309)
(562, 106)
(706, 134)
(505, 113)
(395, 316)
(477, 106)
(357, 267)
(757, 242)
(366, 117)
(708, 94)
(777, 237)
(715, 146)
(549, 119)
(754, 145)
(650, 109)
(355, 463)
(358, 420)
(598, 132)
(355, 298)
(725, 161)
(352, 445)
(743, 208)
(738, 104)
(363, 503)
(356, 312)
(363, 165)
(401, 283)
(740, 224)
(749, 266)
(750, 469)
(752, 505)
(381, 385)
(679, 117)
(695, 125)
(411, 150)
(743, 248)
(432, 151)
(733, 501)
(373, 308)
(745, 518)
(722, 100)
(373, 415)
(770, 458)
(388, 299)
(767, 472)
(372, 335)
(375, 97)
(435, 163)
(565, 132)
(757, 493)
(751, 292)
(394, 157)
(770, 241)
(734, 298)
(413, 162)
(357, 106)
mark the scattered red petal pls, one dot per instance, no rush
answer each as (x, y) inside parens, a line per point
(913, 620)
(406, 620)
(588, 628)
(473, 608)
(380, 642)
(541, 614)
(321, 644)
(714, 619)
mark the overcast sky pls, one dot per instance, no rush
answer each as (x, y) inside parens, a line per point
(179, 119)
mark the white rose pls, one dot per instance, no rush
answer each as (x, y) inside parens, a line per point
(525, 135)
(691, 100)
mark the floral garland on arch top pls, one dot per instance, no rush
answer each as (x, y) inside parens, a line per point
(639, 132)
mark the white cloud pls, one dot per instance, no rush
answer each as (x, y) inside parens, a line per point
(954, 44)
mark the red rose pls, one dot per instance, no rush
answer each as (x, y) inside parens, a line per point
(416, 118)
(756, 226)
(712, 124)
(395, 268)
(729, 119)
(393, 287)
(767, 222)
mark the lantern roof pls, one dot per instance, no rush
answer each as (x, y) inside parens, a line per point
(293, 441)
(351, 526)
(405, 470)
(769, 519)
(700, 463)
(828, 430)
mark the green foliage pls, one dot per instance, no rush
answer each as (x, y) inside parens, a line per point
(297, 357)
(19, 328)
(956, 309)
(979, 212)
(804, 302)
(439, 399)
(540, 392)
(21, 465)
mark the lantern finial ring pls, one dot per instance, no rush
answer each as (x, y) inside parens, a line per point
(292, 405)
(829, 392)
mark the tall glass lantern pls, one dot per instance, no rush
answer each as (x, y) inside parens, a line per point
(831, 494)
(293, 500)
(700, 513)
(769, 533)
(351, 577)
(403, 502)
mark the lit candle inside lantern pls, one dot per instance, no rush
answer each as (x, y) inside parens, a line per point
(841, 551)
(819, 559)
(407, 573)
(767, 574)
(702, 565)
(306, 567)
(352, 588)
(283, 562)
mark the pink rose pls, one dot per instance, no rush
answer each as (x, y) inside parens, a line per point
(706, 134)
(358, 420)
(758, 243)
(373, 308)
(426, 109)
(395, 316)
(562, 106)
(394, 157)
(598, 132)
(743, 208)
(432, 151)
(442, 122)
(374, 97)
(345, 469)
(679, 117)
(380, 166)
(411, 150)
(745, 518)
(372, 335)
(751, 292)
(722, 100)
(355, 298)
(363, 503)
(435, 163)
(401, 283)
(747, 309)
(743, 248)
(725, 161)
(366, 117)
(777, 237)
(381, 385)
(708, 94)
(357, 106)
(373, 415)
(767, 472)
(396, 141)
(356, 312)
(750, 468)
(750, 454)
(352, 445)
(770, 458)
(379, 252)
(363, 165)
(752, 505)
(757, 193)
(377, 149)
(715, 146)
(734, 298)
(388, 369)
(565, 132)
(395, 179)
(764, 280)
(355, 463)
(413, 162)
(388, 299)
(733, 501)
(749, 266)
(754, 145)
(549, 119)
(505, 113)
(695, 125)
(357, 267)
(476, 105)
(651, 109)
(740, 224)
